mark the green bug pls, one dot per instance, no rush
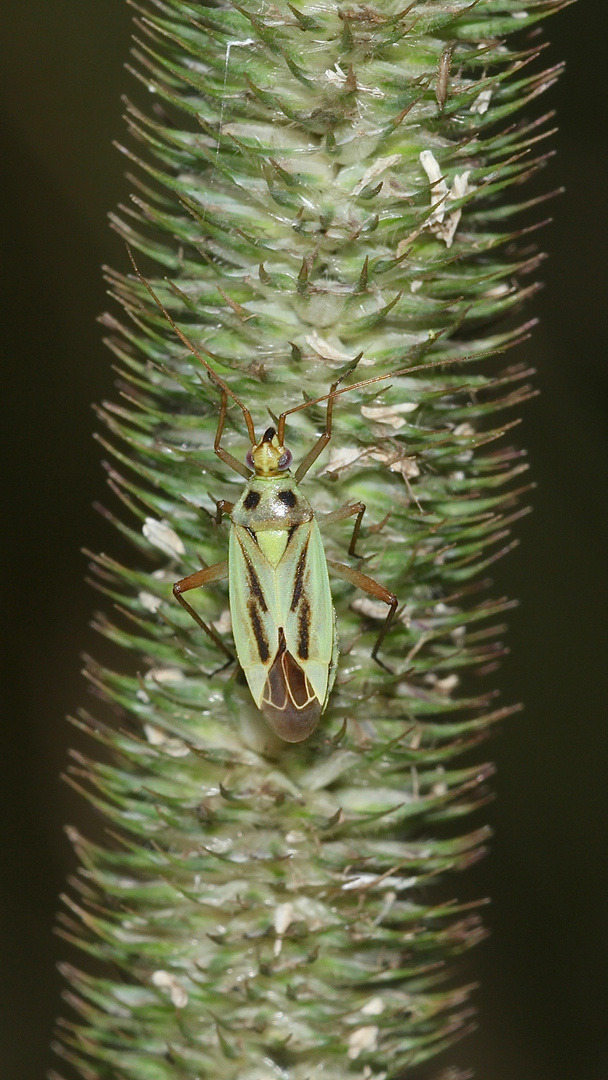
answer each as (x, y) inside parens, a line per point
(283, 619)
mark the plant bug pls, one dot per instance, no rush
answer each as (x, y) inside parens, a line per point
(283, 619)
(280, 602)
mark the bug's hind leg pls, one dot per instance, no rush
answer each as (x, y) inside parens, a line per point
(372, 588)
(195, 581)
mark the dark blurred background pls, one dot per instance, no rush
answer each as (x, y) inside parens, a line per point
(544, 971)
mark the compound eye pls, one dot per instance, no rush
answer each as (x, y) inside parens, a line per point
(285, 459)
(249, 459)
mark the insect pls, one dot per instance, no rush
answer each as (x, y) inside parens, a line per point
(283, 619)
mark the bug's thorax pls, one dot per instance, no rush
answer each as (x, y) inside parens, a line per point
(271, 503)
(271, 509)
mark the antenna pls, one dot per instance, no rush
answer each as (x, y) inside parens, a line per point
(333, 393)
(182, 337)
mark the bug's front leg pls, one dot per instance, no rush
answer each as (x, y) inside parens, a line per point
(195, 581)
(372, 588)
(223, 509)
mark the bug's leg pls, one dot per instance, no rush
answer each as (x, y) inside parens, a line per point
(194, 581)
(224, 509)
(372, 588)
(345, 512)
(227, 458)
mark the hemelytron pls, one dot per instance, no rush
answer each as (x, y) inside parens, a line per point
(283, 620)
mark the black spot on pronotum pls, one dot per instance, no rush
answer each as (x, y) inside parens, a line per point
(288, 498)
(251, 500)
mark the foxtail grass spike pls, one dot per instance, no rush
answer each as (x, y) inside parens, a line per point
(321, 192)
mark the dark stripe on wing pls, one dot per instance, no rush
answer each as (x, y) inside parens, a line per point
(298, 584)
(304, 630)
(258, 632)
(254, 581)
(290, 532)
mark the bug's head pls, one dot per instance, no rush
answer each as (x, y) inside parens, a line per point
(269, 458)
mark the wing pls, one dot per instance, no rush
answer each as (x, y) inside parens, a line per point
(253, 609)
(305, 606)
(284, 627)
